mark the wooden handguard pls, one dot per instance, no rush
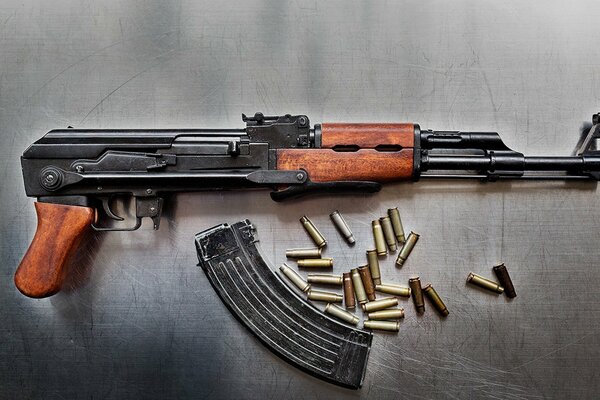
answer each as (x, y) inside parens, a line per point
(60, 229)
(353, 151)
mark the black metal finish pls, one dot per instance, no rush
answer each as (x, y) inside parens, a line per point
(341, 187)
(483, 155)
(90, 167)
(417, 154)
(288, 325)
(86, 166)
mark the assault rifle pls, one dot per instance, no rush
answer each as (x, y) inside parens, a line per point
(75, 173)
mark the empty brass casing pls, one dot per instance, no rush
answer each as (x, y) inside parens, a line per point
(342, 226)
(374, 266)
(388, 232)
(394, 215)
(294, 277)
(359, 289)
(395, 313)
(417, 294)
(325, 279)
(316, 263)
(407, 248)
(313, 232)
(484, 283)
(392, 326)
(303, 253)
(365, 276)
(436, 300)
(348, 290)
(379, 239)
(396, 290)
(505, 281)
(380, 304)
(342, 314)
(329, 297)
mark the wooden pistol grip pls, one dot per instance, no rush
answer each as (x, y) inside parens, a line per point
(60, 229)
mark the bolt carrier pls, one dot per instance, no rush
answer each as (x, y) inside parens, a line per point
(394, 215)
(314, 252)
(318, 295)
(388, 232)
(374, 266)
(396, 290)
(485, 283)
(407, 248)
(313, 232)
(365, 276)
(359, 289)
(392, 326)
(325, 279)
(316, 263)
(342, 226)
(379, 239)
(380, 304)
(294, 277)
(342, 314)
(395, 313)
(417, 294)
(505, 281)
(436, 300)
(348, 290)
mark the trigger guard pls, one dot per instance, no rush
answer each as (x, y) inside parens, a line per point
(138, 223)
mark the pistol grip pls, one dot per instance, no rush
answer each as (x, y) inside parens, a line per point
(60, 229)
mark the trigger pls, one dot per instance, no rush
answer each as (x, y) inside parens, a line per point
(108, 211)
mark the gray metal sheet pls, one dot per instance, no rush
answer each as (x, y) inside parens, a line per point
(141, 321)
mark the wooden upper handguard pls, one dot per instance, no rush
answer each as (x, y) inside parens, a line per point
(60, 229)
(367, 136)
(355, 151)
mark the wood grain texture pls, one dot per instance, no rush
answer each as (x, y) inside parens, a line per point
(369, 135)
(325, 165)
(60, 229)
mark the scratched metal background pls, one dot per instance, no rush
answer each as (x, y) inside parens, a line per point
(139, 319)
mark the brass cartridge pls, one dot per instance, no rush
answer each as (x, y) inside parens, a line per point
(396, 290)
(374, 266)
(407, 248)
(394, 215)
(348, 291)
(325, 279)
(395, 313)
(417, 294)
(379, 239)
(316, 263)
(342, 314)
(436, 300)
(505, 281)
(388, 232)
(294, 277)
(318, 295)
(342, 226)
(392, 326)
(365, 276)
(485, 283)
(313, 232)
(380, 304)
(303, 253)
(359, 289)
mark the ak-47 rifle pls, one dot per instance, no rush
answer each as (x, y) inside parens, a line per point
(75, 172)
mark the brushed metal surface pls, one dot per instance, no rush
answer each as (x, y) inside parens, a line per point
(140, 320)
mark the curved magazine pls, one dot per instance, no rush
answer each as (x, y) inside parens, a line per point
(288, 325)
